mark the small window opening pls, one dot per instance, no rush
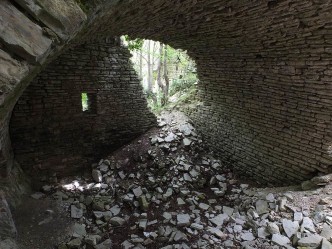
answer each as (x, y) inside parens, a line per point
(85, 102)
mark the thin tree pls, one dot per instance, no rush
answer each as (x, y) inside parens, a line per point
(166, 88)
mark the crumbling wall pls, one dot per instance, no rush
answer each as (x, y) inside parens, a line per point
(51, 133)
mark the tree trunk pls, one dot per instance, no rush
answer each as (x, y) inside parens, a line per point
(166, 90)
(141, 63)
(160, 65)
(149, 69)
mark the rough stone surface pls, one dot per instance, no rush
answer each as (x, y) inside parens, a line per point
(117, 113)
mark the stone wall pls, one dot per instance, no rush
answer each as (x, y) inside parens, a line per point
(51, 133)
(264, 69)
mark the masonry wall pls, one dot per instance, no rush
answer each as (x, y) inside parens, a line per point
(51, 134)
(266, 91)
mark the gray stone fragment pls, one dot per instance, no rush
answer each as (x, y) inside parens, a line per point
(92, 239)
(183, 219)
(298, 216)
(179, 236)
(247, 236)
(228, 210)
(117, 221)
(75, 243)
(180, 202)
(186, 142)
(127, 245)
(115, 210)
(203, 206)
(137, 191)
(272, 228)
(76, 212)
(142, 224)
(96, 175)
(187, 177)
(21, 35)
(280, 240)
(107, 244)
(313, 240)
(270, 197)
(290, 227)
(308, 225)
(217, 232)
(219, 219)
(197, 226)
(262, 207)
(262, 232)
(79, 230)
(326, 232)
(326, 244)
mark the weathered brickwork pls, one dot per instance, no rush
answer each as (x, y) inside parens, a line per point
(264, 70)
(50, 132)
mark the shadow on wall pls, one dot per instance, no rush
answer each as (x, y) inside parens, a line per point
(85, 104)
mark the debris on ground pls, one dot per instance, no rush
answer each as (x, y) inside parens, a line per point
(166, 190)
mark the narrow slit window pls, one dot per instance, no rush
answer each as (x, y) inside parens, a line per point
(85, 102)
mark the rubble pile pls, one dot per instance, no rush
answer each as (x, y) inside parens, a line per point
(177, 195)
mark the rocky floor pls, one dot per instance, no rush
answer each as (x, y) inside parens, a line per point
(166, 190)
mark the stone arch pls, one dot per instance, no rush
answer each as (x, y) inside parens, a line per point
(264, 69)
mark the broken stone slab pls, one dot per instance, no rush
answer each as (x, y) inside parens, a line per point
(262, 232)
(79, 230)
(75, 243)
(187, 177)
(115, 210)
(76, 212)
(203, 206)
(142, 224)
(272, 228)
(217, 232)
(219, 219)
(96, 175)
(197, 226)
(313, 240)
(127, 245)
(298, 216)
(117, 221)
(280, 240)
(92, 239)
(307, 224)
(326, 232)
(228, 210)
(247, 236)
(107, 244)
(63, 17)
(183, 219)
(137, 191)
(326, 244)
(180, 236)
(262, 207)
(290, 227)
(170, 138)
(21, 35)
(186, 142)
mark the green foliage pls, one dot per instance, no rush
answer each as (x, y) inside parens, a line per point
(134, 44)
(84, 98)
(178, 85)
